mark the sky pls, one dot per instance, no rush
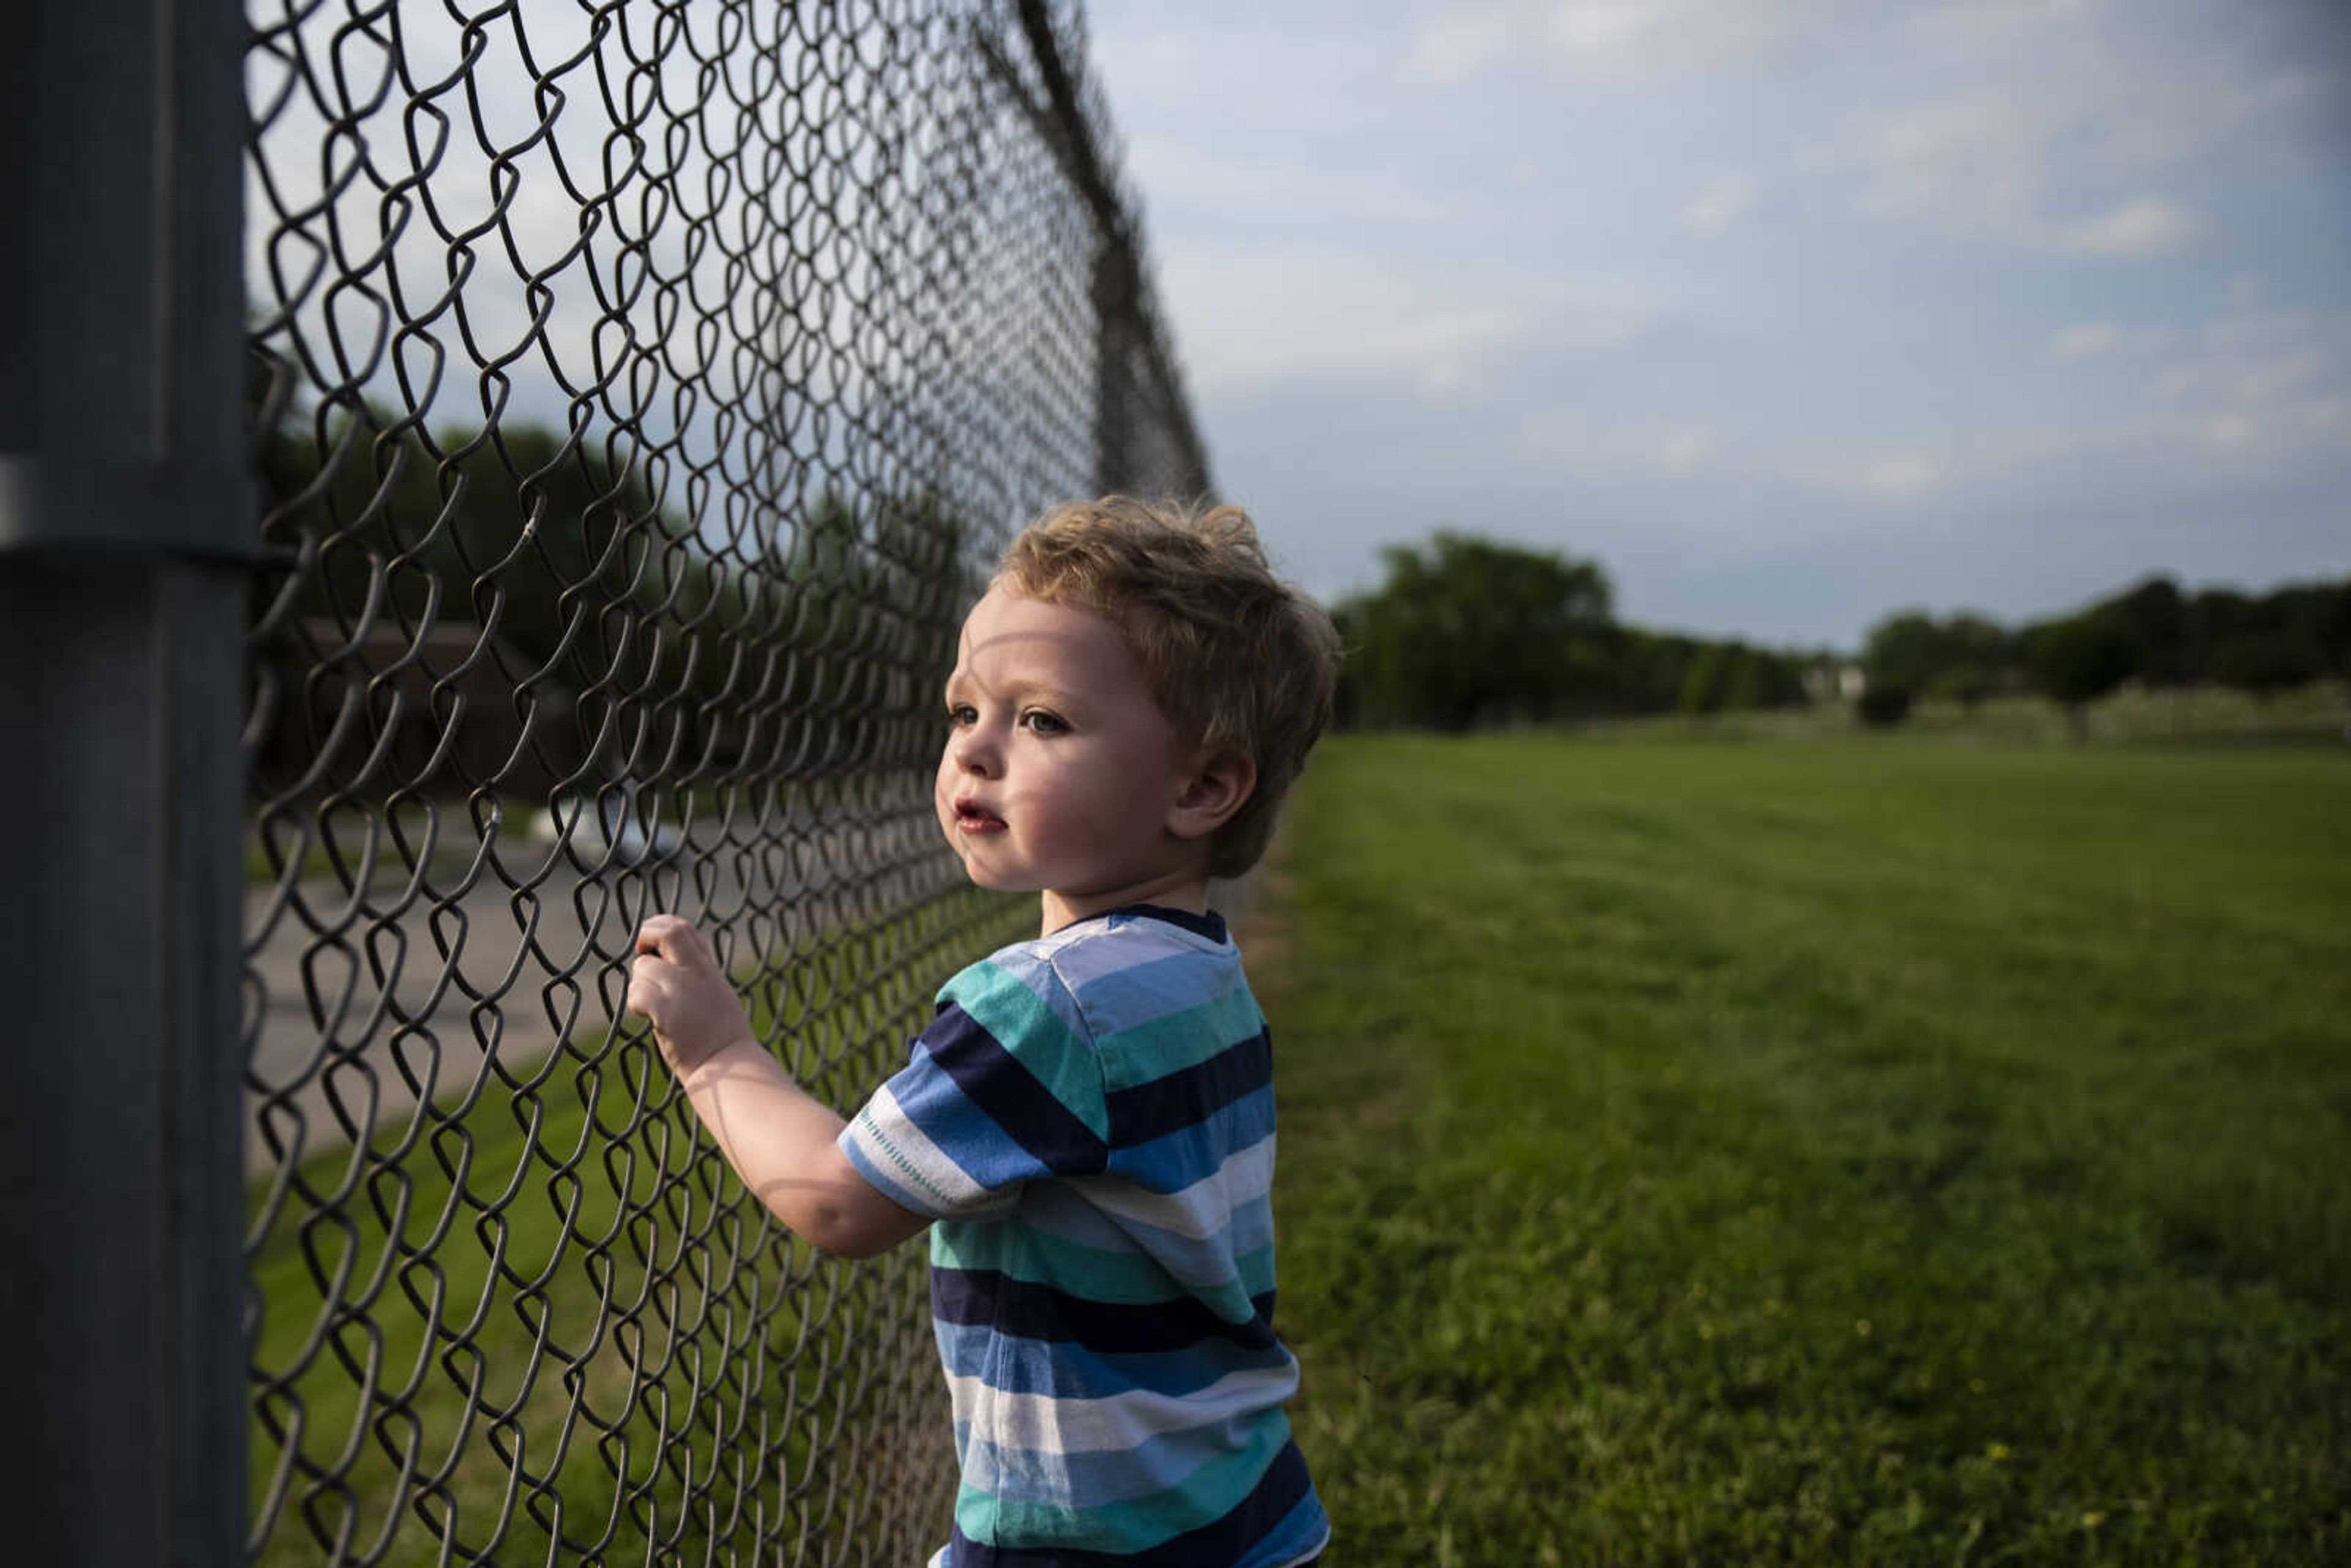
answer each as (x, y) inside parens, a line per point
(1789, 314)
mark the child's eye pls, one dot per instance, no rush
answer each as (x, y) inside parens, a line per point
(1037, 721)
(961, 714)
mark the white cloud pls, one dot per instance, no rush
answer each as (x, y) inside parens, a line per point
(1461, 43)
(2258, 380)
(1718, 204)
(2064, 128)
(2278, 433)
(2134, 85)
(1976, 125)
(1967, 160)
(2192, 106)
(2230, 431)
(1628, 41)
(2255, 385)
(2149, 225)
(1982, 164)
(1684, 448)
(1603, 26)
(1257, 317)
(2085, 340)
(2281, 376)
(2080, 341)
(1887, 478)
(1979, 23)
(1353, 312)
(1242, 184)
(1573, 440)
(1648, 39)
(2250, 356)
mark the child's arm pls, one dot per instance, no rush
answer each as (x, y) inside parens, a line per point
(779, 1141)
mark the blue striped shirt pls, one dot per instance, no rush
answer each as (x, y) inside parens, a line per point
(1088, 1121)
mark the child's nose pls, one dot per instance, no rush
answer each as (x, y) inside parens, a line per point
(973, 753)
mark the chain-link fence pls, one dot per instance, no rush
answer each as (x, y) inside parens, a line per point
(635, 390)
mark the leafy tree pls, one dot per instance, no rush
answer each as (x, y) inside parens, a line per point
(2330, 624)
(1976, 641)
(1764, 679)
(627, 637)
(1725, 677)
(2296, 633)
(1650, 670)
(518, 536)
(1706, 683)
(1467, 630)
(2266, 662)
(1967, 684)
(1913, 650)
(516, 530)
(2217, 616)
(1905, 650)
(2155, 614)
(2081, 658)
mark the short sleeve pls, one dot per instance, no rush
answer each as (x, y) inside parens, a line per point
(1003, 1088)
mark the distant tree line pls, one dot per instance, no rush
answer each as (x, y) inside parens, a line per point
(2154, 633)
(535, 586)
(1467, 631)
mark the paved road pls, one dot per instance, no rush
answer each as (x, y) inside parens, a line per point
(342, 978)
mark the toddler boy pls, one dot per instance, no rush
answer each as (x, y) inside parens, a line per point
(1087, 1125)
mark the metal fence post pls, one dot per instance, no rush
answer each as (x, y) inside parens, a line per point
(123, 516)
(1125, 344)
(1118, 333)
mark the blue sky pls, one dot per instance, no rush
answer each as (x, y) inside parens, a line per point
(1789, 314)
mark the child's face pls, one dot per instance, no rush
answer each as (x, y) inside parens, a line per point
(1060, 774)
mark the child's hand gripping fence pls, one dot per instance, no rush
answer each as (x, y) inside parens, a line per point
(636, 391)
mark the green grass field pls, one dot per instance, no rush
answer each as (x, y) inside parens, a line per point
(1841, 1150)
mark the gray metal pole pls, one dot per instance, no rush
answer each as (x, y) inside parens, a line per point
(123, 516)
(1118, 334)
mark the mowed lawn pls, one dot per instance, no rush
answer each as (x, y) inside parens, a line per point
(1861, 1150)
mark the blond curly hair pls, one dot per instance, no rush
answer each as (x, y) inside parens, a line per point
(1236, 659)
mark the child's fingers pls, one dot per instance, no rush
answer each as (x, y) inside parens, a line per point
(662, 935)
(674, 939)
(648, 986)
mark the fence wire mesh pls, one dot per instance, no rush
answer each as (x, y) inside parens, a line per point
(636, 389)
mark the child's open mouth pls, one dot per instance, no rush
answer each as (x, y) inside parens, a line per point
(970, 819)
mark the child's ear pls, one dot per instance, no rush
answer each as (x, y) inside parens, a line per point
(1220, 785)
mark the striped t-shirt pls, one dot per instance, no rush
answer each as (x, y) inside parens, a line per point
(1088, 1120)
